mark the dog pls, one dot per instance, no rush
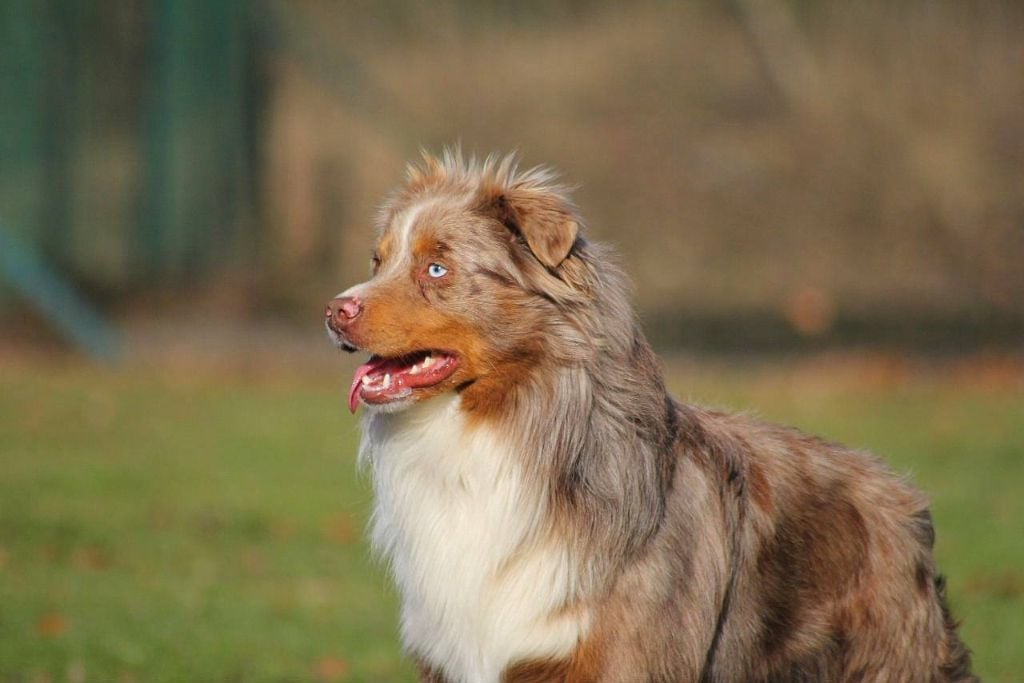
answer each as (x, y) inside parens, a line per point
(550, 513)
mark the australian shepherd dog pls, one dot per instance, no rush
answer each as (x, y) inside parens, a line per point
(550, 513)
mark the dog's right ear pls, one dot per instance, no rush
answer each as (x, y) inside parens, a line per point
(543, 218)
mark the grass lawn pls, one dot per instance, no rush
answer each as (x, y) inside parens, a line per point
(159, 526)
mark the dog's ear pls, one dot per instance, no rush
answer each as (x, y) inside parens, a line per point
(543, 218)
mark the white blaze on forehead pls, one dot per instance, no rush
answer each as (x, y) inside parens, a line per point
(404, 227)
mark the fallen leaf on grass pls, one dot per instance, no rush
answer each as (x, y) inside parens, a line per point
(51, 625)
(330, 669)
(341, 529)
(90, 557)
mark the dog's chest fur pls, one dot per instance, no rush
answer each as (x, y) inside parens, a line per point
(481, 587)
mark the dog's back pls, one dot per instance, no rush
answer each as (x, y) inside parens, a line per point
(785, 558)
(550, 513)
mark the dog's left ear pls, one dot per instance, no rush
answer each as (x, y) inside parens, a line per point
(544, 219)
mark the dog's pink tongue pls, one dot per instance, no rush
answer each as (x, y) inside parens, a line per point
(357, 381)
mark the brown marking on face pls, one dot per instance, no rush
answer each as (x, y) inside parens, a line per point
(406, 310)
(491, 395)
(397, 321)
(427, 247)
(491, 367)
(499, 342)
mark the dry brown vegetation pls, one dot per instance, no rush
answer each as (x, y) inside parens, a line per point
(863, 157)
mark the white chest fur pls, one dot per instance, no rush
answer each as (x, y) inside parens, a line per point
(459, 525)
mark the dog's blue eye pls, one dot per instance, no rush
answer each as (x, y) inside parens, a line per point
(436, 270)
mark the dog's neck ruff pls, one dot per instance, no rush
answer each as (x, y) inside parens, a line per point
(482, 585)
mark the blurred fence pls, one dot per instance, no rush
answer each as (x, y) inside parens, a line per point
(128, 135)
(773, 172)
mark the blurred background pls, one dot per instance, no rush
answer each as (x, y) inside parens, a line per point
(821, 205)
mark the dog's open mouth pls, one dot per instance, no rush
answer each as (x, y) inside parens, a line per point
(383, 380)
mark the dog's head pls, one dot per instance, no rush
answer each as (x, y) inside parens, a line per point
(475, 270)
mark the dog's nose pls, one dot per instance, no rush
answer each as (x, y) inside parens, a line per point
(343, 310)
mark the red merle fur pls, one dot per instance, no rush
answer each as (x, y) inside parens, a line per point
(708, 546)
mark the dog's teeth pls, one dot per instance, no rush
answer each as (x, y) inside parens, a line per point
(387, 380)
(415, 370)
(427, 362)
(365, 380)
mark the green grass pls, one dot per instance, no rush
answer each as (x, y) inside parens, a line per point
(171, 528)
